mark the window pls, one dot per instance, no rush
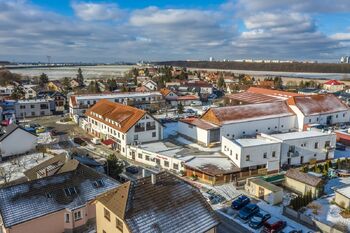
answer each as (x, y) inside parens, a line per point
(147, 157)
(98, 183)
(32, 106)
(44, 106)
(166, 163)
(119, 224)
(154, 134)
(33, 113)
(243, 132)
(66, 218)
(136, 137)
(268, 128)
(123, 136)
(315, 155)
(107, 214)
(316, 145)
(77, 215)
(139, 155)
(282, 126)
(343, 114)
(236, 156)
(70, 191)
(336, 116)
(22, 106)
(247, 157)
(273, 154)
(265, 155)
(309, 120)
(175, 166)
(256, 130)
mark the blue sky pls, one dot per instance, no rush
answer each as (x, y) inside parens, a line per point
(125, 30)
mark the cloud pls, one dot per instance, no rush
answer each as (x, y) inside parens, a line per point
(97, 11)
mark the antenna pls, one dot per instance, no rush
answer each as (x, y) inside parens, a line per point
(48, 59)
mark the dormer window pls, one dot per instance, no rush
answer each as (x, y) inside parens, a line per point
(98, 183)
(70, 191)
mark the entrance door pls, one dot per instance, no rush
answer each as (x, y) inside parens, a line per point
(261, 192)
(301, 159)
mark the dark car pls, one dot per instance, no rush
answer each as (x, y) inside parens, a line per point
(273, 225)
(132, 169)
(79, 141)
(248, 211)
(240, 202)
(258, 220)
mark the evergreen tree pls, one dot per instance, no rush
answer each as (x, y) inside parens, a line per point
(221, 81)
(114, 166)
(18, 93)
(43, 80)
(66, 84)
(80, 77)
(180, 108)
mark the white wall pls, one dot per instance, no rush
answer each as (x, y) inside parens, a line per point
(18, 142)
(193, 132)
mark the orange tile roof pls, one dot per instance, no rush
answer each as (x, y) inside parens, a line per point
(164, 91)
(249, 112)
(272, 92)
(124, 115)
(317, 104)
(188, 97)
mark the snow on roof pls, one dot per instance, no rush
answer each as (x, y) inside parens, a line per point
(318, 104)
(249, 112)
(32, 101)
(345, 191)
(246, 142)
(271, 92)
(213, 165)
(298, 135)
(199, 123)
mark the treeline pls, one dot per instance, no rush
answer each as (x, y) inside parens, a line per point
(280, 67)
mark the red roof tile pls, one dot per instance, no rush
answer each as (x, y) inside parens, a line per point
(272, 92)
(333, 83)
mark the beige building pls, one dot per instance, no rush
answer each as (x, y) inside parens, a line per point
(342, 196)
(302, 183)
(160, 203)
(262, 189)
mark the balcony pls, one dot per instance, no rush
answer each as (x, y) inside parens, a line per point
(328, 148)
(150, 127)
(139, 129)
(293, 153)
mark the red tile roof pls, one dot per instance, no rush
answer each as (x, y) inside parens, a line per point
(164, 91)
(108, 142)
(188, 97)
(253, 98)
(124, 115)
(317, 104)
(249, 112)
(285, 94)
(333, 83)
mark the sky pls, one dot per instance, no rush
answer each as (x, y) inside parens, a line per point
(134, 30)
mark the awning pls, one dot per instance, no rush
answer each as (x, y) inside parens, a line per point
(109, 142)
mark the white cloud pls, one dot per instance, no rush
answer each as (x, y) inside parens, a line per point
(96, 11)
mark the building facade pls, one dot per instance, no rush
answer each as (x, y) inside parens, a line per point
(33, 108)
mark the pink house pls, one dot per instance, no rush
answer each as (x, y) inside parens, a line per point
(54, 204)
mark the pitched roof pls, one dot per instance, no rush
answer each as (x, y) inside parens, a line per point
(55, 165)
(317, 104)
(199, 123)
(249, 112)
(303, 177)
(333, 83)
(12, 128)
(285, 94)
(188, 97)
(164, 91)
(213, 165)
(171, 205)
(253, 98)
(33, 199)
(125, 116)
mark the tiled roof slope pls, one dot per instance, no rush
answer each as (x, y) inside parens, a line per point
(285, 94)
(232, 114)
(317, 104)
(171, 205)
(26, 201)
(124, 115)
(253, 98)
(164, 91)
(303, 177)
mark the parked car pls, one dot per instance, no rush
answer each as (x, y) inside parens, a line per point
(248, 211)
(132, 169)
(258, 220)
(79, 141)
(40, 129)
(339, 146)
(240, 202)
(273, 225)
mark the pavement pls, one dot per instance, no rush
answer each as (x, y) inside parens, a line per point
(229, 226)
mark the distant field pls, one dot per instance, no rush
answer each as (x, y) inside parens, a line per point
(89, 72)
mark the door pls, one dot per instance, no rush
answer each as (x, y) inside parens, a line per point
(261, 193)
(301, 159)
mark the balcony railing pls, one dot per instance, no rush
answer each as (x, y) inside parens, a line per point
(329, 148)
(150, 127)
(139, 129)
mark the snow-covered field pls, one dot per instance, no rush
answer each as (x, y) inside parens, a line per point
(14, 168)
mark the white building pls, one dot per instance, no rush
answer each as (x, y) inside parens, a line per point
(6, 90)
(29, 91)
(238, 121)
(163, 155)
(33, 108)
(16, 141)
(318, 109)
(304, 147)
(123, 124)
(333, 86)
(150, 85)
(253, 153)
(78, 104)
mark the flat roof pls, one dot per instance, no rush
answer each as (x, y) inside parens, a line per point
(297, 135)
(246, 142)
(213, 165)
(266, 185)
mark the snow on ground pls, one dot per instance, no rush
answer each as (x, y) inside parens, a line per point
(335, 183)
(327, 212)
(276, 211)
(195, 145)
(14, 168)
(170, 129)
(342, 153)
(45, 138)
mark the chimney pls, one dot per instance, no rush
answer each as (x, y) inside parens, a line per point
(153, 179)
(143, 173)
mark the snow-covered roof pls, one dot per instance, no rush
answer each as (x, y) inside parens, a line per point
(213, 165)
(299, 135)
(246, 142)
(23, 202)
(117, 95)
(345, 191)
(33, 101)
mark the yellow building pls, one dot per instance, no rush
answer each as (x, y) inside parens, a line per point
(342, 196)
(264, 190)
(160, 203)
(302, 183)
(54, 86)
